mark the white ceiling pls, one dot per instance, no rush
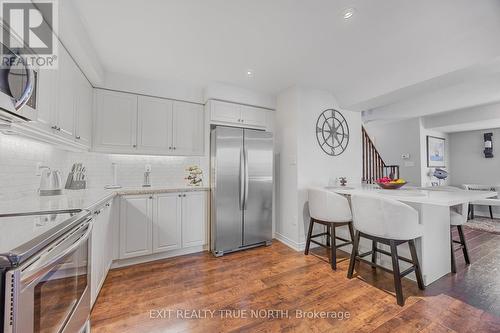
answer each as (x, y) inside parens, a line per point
(388, 44)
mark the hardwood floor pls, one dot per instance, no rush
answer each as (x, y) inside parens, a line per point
(285, 283)
(479, 283)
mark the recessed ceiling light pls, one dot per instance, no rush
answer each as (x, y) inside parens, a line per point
(249, 73)
(348, 13)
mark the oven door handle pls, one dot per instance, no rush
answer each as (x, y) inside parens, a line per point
(39, 271)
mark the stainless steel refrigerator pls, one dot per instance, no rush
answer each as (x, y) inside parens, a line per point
(241, 188)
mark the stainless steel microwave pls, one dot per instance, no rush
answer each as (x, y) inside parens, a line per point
(18, 87)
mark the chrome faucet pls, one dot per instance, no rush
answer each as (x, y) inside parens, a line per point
(147, 179)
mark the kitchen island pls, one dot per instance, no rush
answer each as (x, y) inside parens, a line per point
(433, 248)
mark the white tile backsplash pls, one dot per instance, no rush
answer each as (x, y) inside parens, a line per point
(19, 156)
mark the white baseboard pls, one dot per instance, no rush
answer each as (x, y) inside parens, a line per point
(289, 242)
(158, 256)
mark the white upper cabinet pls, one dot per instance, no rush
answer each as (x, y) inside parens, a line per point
(64, 105)
(115, 125)
(225, 112)
(167, 223)
(188, 129)
(254, 116)
(83, 111)
(239, 115)
(154, 132)
(127, 123)
(47, 101)
(65, 119)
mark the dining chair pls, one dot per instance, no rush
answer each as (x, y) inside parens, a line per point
(490, 202)
(389, 222)
(331, 210)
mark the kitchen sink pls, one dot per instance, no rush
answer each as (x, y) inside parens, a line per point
(339, 188)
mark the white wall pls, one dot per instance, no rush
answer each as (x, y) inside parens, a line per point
(73, 34)
(286, 154)
(19, 156)
(302, 162)
(469, 164)
(392, 139)
(427, 179)
(468, 161)
(161, 88)
(315, 167)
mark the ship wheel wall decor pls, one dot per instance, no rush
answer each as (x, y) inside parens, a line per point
(332, 132)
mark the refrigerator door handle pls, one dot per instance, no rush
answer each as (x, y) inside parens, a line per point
(242, 179)
(245, 197)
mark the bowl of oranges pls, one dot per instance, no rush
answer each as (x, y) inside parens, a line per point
(390, 184)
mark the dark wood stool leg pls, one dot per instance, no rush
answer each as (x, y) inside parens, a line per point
(309, 234)
(453, 263)
(354, 254)
(351, 231)
(414, 258)
(463, 243)
(396, 273)
(374, 253)
(328, 235)
(491, 213)
(333, 248)
(472, 212)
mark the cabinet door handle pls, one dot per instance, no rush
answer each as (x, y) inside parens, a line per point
(78, 137)
(151, 197)
(135, 146)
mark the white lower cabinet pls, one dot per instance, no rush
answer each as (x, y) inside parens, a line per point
(101, 249)
(167, 223)
(160, 223)
(193, 219)
(136, 222)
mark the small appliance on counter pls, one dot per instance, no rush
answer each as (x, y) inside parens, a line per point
(50, 182)
(77, 178)
(115, 178)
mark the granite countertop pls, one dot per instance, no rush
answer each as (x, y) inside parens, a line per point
(80, 199)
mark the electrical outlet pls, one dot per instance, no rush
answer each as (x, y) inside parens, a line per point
(147, 168)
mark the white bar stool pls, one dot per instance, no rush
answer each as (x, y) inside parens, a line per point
(331, 210)
(388, 222)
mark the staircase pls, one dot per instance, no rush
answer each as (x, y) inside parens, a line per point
(374, 166)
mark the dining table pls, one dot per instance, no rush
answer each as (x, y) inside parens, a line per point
(433, 206)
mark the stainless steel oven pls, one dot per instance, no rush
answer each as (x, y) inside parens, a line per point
(49, 292)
